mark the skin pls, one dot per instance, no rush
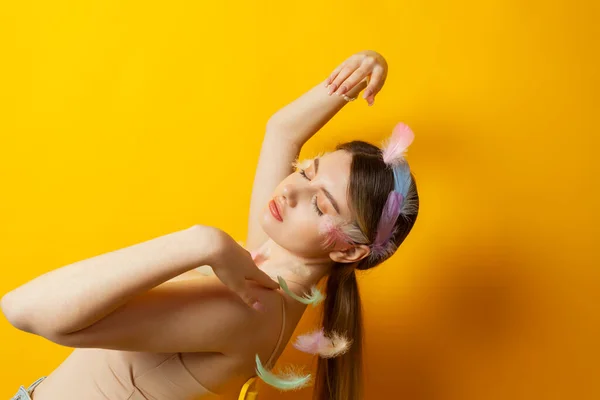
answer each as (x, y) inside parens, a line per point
(297, 238)
(118, 306)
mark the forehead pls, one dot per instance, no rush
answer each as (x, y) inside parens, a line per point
(337, 163)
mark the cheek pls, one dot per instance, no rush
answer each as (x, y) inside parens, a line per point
(303, 241)
(307, 230)
(299, 233)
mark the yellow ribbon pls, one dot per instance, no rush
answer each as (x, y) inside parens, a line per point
(249, 390)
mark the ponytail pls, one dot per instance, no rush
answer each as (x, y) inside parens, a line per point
(338, 343)
(340, 378)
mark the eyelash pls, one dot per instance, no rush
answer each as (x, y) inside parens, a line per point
(314, 202)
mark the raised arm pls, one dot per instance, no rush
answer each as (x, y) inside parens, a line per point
(291, 127)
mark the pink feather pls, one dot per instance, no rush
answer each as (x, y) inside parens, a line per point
(393, 150)
(318, 343)
(261, 254)
(333, 232)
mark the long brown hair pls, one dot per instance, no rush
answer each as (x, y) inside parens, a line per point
(371, 180)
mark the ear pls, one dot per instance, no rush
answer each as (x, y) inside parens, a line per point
(350, 255)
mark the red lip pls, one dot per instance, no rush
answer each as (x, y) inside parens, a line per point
(273, 207)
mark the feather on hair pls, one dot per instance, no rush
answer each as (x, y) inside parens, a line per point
(317, 343)
(394, 148)
(335, 230)
(391, 210)
(331, 229)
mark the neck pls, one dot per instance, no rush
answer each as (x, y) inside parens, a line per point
(295, 269)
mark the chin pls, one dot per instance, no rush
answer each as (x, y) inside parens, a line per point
(270, 225)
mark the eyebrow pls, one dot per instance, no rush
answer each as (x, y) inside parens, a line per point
(329, 196)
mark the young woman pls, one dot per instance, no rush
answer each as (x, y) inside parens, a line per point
(147, 324)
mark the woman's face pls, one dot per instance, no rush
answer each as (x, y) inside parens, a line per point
(304, 201)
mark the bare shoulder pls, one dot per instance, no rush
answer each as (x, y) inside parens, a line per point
(268, 322)
(264, 326)
(262, 338)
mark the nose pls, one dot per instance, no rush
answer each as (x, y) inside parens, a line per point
(292, 193)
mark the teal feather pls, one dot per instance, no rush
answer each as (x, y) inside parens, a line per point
(314, 298)
(292, 383)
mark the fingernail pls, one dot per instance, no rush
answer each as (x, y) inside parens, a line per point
(366, 94)
(258, 306)
(332, 89)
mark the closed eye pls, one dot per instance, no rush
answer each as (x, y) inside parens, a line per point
(314, 202)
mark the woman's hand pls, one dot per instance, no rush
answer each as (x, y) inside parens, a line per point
(234, 266)
(368, 65)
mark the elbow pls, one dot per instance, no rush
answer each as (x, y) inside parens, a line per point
(16, 315)
(8, 309)
(270, 127)
(13, 313)
(276, 124)
(271, 121)
(283, 135)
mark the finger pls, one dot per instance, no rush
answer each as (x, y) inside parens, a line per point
(352, 80)
(258, 306)
(344, 73)
(375, 82)
(249, 299)
(334, 74)
(263, 279)
(370, 100)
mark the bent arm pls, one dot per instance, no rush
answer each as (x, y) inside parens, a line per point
(78, 295)
(286, 132)
(303, 117)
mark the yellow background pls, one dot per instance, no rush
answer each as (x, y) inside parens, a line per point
(123, 121)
